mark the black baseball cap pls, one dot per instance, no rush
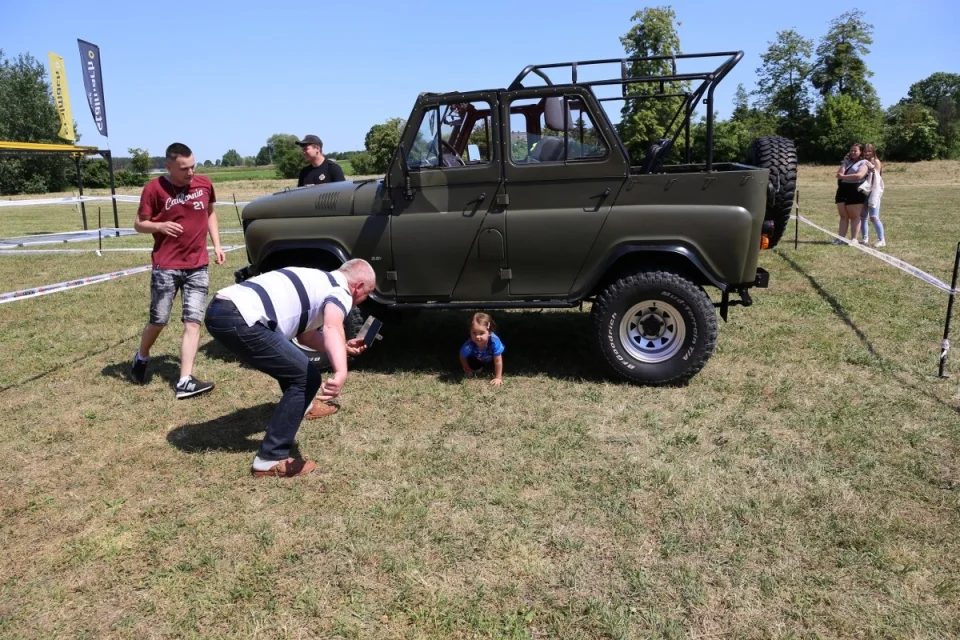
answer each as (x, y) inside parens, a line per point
(310, 139)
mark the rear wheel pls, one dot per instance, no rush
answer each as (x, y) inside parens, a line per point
(655, 327)
(779, 155)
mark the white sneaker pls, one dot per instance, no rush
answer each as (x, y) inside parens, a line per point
(880, 243)
(854, 241)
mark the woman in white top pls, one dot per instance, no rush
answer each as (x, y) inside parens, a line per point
(872, 210)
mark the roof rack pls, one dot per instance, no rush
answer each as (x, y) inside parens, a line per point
(708, 82)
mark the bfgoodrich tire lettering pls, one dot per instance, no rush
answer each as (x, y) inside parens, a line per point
(351, 327)
(655, 327)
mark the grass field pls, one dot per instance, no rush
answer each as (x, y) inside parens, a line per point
(805, 484)
(219, 175)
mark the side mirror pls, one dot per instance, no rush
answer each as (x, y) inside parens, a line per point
(473, 153)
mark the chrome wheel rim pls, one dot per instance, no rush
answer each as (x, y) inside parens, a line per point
(652, 331)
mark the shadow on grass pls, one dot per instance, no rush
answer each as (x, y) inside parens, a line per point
(833, 302)
(551, 343)
(69, 363)
(888, 365)
(229, 433)
(216, 351)
(165, 367)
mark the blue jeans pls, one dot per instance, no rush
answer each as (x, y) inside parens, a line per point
(274, 355)
(874, 215)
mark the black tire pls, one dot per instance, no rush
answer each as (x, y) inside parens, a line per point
(351, 327)
(779, 155)
(655, 327)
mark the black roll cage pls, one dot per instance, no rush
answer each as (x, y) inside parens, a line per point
(708, 83)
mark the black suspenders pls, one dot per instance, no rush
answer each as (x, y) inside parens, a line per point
(268, 307)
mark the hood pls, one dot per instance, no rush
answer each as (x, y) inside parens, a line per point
(332, 199)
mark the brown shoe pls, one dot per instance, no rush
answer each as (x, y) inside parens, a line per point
(289, 468)
(321, 409)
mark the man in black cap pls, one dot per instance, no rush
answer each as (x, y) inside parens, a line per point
(319, 170)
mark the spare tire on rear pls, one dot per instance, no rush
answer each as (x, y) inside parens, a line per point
(779, 155)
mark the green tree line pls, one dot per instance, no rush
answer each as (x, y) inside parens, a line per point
(816, 92)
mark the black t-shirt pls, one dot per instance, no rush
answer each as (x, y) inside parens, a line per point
(326, 172)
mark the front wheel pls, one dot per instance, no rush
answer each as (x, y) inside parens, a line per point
(351, 327)
(655, 327)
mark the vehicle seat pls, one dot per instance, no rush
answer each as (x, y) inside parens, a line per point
(653, 161)
(549, 149)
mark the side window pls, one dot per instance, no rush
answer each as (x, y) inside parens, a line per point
(453, 135)
(553, 129)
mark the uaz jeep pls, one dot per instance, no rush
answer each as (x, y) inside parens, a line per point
(525, 197)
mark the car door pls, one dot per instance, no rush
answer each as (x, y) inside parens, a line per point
(452, 185)
(562, 173)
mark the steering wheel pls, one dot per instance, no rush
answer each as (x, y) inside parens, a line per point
(453, 152)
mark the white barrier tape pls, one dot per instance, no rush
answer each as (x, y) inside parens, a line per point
(896, 262)
(72, 284)
(76, 236)
(10, 252)
(24, 294)
(78, 199)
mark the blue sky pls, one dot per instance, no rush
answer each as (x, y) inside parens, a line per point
(220, 75)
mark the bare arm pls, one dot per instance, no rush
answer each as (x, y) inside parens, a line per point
(855, 177)
(466, 366)
(335, 345)
(144, 225)
(497, 371)
(214, 228)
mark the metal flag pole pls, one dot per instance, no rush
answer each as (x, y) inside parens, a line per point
(796, 222)
(946, 325)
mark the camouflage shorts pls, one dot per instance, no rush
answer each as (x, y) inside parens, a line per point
(164, 284)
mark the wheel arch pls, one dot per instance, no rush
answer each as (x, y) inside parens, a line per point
(631, 258)
(321, 255)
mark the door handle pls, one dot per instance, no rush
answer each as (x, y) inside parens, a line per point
(476, 202)
(600, 197)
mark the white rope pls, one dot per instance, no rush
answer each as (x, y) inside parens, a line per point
(78, 199)
(896, 262)
(24, 294)
(72, 284)
(18, 252)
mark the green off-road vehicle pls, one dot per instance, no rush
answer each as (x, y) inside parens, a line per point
(526, 197)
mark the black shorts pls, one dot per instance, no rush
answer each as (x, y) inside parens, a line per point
(847, 193)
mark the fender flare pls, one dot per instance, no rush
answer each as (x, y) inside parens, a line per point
(688, 255)
(332, 249)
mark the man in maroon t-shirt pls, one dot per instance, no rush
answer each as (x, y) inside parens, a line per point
(178, 210)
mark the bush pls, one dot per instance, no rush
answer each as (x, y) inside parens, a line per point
(127, 179)
(362, 163)
(912, 134)
(96, 174)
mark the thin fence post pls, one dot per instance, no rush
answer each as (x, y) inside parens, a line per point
(946, 325)
(83, 208)
(99, 233)
(238, 210)
(796, 222)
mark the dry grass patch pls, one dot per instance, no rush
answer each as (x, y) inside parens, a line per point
(803, 485)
